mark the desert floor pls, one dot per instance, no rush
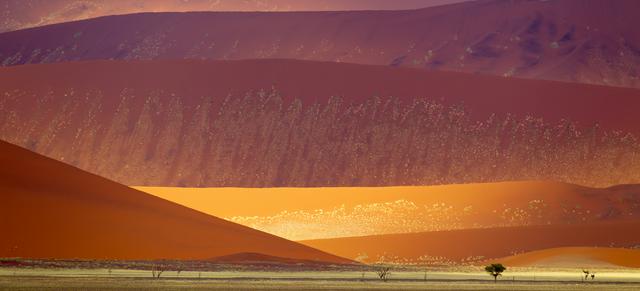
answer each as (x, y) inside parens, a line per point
(101, 279)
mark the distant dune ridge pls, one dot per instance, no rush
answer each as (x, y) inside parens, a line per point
(479, 245)
(50, 210)
(314, 213)
(588, 41)
(20, 14)
(266, 123)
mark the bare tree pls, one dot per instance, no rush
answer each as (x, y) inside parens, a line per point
(156, 271)
(383, 273)
(586, 274)
(179, 268)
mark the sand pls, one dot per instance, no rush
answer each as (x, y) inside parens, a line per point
(162, 123)
(312, 213)
(55, 211)
(535, 39)
(459, 246)
(584, 257)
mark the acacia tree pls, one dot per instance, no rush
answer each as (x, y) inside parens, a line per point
(495, 270)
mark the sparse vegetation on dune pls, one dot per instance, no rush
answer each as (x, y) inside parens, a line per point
(330, 212)
(261, 141)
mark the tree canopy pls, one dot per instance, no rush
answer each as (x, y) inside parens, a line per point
(495, 270)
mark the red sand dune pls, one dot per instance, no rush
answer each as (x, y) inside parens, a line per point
(20, 14)
(576, 257)
(589, 41)
(163, 123)
(476, 245)
(55, 211)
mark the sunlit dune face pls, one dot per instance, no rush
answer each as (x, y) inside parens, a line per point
(19, 14)
(312, 213)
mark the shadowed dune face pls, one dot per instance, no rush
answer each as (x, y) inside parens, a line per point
(20, 14)
(576, 256)
(589, 41)
(261, 259)
(55, 211)
(314, 213)
(275, 123)
(478, 245)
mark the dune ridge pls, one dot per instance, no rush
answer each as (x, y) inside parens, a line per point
(50, 210)
(21, 14)
(277, 123)
(552, 40)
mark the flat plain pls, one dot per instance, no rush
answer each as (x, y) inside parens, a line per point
(104, 279)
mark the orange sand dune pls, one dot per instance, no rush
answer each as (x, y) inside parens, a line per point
(52, 210)
(576, 257)
(478, 245)
(312, 213)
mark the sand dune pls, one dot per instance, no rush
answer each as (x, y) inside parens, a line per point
(261, 259)
(20, 14)
(479, 245)
(576, 257)
(55, 211)
(176, 123)
(311, 213)
(596, 43)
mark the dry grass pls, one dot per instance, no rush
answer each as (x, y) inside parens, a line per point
(117, 279)
(89, 283)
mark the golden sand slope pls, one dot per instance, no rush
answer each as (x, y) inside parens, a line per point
(310, 213)
(576, 257)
